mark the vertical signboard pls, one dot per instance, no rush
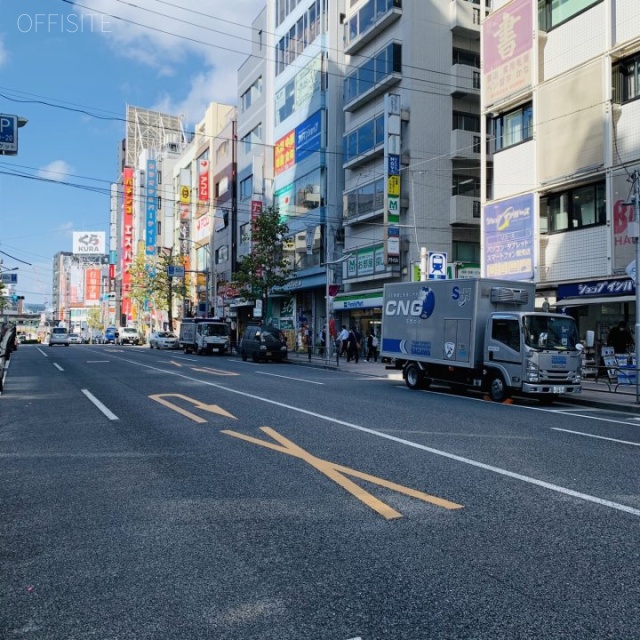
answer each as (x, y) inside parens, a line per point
(127, 240)
(256, 210)
(92, 281)
(151, 224)
(624, 245)
(508, 235)
(507, 43)
(392, 179)
(203, 180)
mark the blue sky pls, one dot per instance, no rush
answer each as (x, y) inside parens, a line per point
(71, 69)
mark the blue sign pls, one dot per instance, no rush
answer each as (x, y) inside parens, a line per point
(393, 164)
(10, 278)
(309, 136)
(508, 246)
(175, 271)
(599, 288)
(152, 185)
(8, 134)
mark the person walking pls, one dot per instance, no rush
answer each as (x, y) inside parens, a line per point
(343, 341)
(372, 346)
(354, 345)
(620, 338)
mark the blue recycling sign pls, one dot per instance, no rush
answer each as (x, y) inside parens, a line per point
(8, 134)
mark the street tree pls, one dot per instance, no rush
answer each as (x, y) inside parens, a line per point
(151, 283)
(266, 266)
(94, 321)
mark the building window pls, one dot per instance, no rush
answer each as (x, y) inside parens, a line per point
(222, 254)
(222, 187)
(466, 121)
(373, 71)
(253, 137)
(251, 94)
(246, 188)
(577, 208)
(301, 34)
(469, 58)
(552, 13)
(245, 232)
(364, 139)
(626, 79)
(466, 186)
(513, 127)
(466, 251)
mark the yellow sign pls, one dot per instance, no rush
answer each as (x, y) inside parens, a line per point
(185, 195)
(337, 473)
(393, 185)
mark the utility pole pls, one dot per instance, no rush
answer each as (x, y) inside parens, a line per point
(635, 180)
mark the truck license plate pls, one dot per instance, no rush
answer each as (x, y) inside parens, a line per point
(559, 389)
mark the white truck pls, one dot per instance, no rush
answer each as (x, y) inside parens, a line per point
(205, 335)
(480, 333)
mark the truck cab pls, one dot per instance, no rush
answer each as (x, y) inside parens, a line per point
(205, 335)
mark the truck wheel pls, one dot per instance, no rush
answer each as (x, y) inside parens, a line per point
(186, 349)
(255, 357)
(413, 376)
(243, 354)
(498, 391)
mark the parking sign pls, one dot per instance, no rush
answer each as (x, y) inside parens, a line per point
(8, 134)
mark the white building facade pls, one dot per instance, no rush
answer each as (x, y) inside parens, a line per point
(560, 93)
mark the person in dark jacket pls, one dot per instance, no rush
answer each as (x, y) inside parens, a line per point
(354, 345)
(620, 338)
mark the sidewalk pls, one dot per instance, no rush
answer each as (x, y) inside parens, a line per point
(594, 393)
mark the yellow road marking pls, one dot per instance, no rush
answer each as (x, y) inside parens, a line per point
(337, 473)
(211, 408)
(215, 372)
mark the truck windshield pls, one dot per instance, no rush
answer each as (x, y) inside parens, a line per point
(215, 330)
(550, 332)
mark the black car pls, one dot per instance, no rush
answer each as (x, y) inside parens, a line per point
(263, 343)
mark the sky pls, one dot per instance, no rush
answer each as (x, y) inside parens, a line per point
(71, 68)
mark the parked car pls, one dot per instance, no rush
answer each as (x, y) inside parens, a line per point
(75, 338)
(59, 335)
(164, 340)
(263, 343)
(128, 335)
(110, 335)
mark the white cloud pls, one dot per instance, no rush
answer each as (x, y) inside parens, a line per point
(215, 39)
(57, 170)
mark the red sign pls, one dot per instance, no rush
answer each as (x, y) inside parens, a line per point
(127, 239)
(203, 181)
(92, 285)
(284, 153)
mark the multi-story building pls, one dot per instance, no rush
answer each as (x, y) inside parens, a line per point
(307, 167)
(412, 145)
(560, 87)
(254, 151)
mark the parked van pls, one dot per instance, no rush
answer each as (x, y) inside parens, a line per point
(263, 343)
(110, 335)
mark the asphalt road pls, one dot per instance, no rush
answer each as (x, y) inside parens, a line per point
(155, 495)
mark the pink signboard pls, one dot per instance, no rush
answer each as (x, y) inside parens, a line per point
(507, 41)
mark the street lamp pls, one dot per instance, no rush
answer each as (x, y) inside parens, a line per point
(326, 265)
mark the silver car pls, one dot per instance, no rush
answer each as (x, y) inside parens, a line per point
(59, 335)
(164, 340)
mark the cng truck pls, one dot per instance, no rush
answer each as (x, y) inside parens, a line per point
(480, 333)
(205, 335)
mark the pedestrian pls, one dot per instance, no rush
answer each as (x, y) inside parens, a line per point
(323, 341)
(343, 341)
(354, 342)
(620, 338)
(307, 340)
(372, 346)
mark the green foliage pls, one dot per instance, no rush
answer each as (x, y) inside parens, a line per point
(150, 281)
(266, 266)
(94, 319)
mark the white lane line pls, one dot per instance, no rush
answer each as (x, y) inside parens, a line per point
(590, 435)
(42, 352)
(94, 361)
(57, 366)
(473, 463)
(275, 375)
(109, 414)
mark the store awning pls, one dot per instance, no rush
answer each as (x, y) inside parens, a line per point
(579, 302)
